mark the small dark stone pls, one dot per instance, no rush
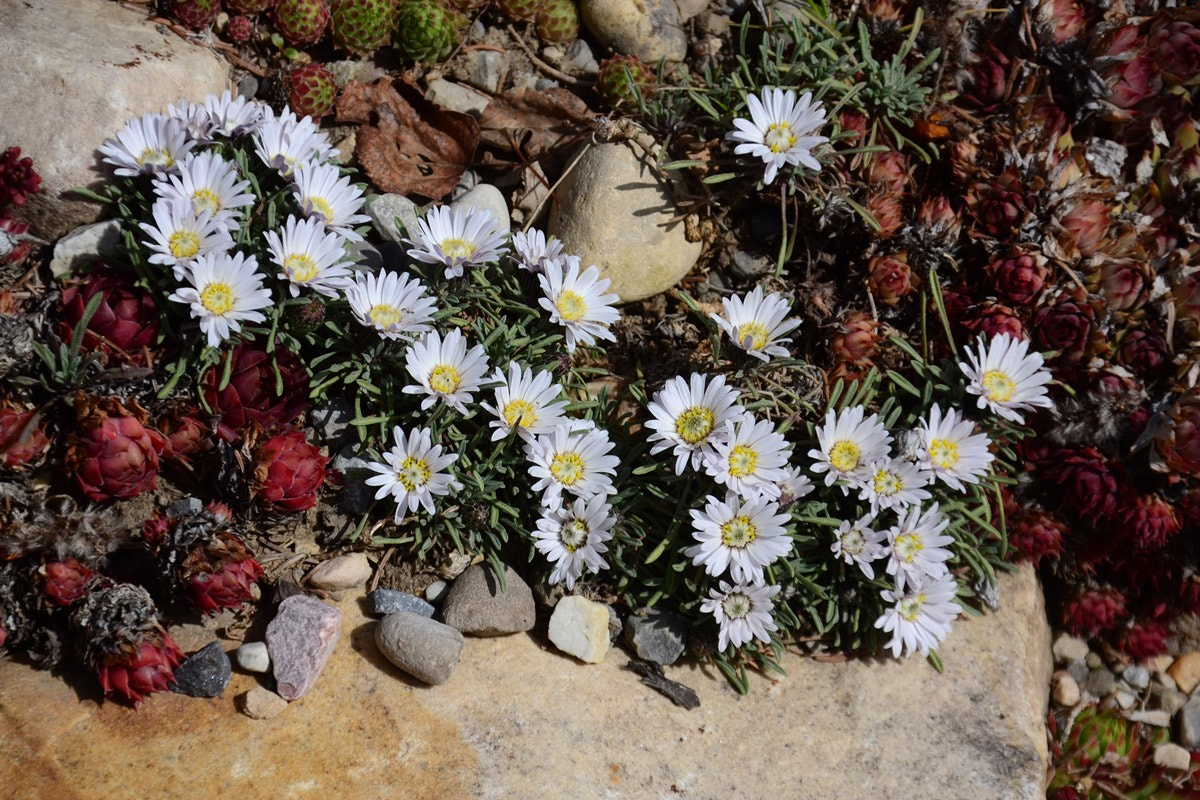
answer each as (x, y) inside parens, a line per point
(389, 601)
(657, 636)
(205, 673)
(1187, 724)
(185, 507)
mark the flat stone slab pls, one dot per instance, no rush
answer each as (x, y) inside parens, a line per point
(520, 720)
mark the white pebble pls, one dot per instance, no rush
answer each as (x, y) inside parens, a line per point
(435, 590)
(1172, 756)
(1065, 690)
(253, 657)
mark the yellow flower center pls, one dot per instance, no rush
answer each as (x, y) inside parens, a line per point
(184, 244)
(458, 248)
(567, 468)
(910, 606)
(753, 335)
(217, 298)
(907, 546)
(571, 306)
(695, 424)
(413, 473)
(738, 532)
(206, 200)
(301, 268)
(887, 483)
(999, 387)
(520, 412)
(444, 379)
(779, 137)
(943, 453)
(574, 535)
(385, 316)
(321, 207)
(743, 461)
(155, 156)
(844, 455)
(736, 605)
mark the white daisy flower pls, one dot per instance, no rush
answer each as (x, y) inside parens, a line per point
(526, 403)
(573, 537)
(392, 303)
(572, 459)
(848, 442)
(690, 416)
(210, 184)
(743, 537)
(233, 116)
(226, 290)
(577, 302)
(781, 130)
(951, 450)
(458, 238)
(284, 142)
(446, 369)
(308, 255)
(916, 545)
(195, 119)
(743, 611)
(532, 250)
(148, 145)
(756, 323)
(920, 618)
(1007, 377)
(794, 486)
(325, 194)
(179, 235)
(858, 543)
(413, 472)
(750, 458)
(892, 483)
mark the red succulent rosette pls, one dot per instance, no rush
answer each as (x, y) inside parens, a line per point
(889, 172)
(1064, 324)
(288, 472)
(219, 573)
(1178, 439)
(1144, 640)
(1035, 535)
(857, 339)
(65, 581)
(1019, 277)
(1092, 611)
(991, 319)
(23, 442)
(188, 436)
(17, 178)
(250, 395)
(125, 323)
(1148, 520)
(112, 453)
(1086, 480)
(1132, 76)
(998, 208)
(1176, 46)
(891, 278)
(1087, 221)
(988, 84)
(1125, 283)
(1144, 353)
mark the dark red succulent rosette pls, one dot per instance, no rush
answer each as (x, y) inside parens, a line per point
(250, 395)
(1088, 482)
(18, 178)
(23, 441)
(1176, 46)
(113, 454)
(1094, 610)
(1019, 277)
(1065, 325)
(126, 323)
(890, 278)
(288, 472)
(1143, 352)
(990, 319)
(200, 558)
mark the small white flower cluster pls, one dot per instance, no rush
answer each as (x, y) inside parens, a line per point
(201, 200)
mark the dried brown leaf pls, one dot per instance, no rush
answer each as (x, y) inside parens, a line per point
(406, 144)
(532, 123)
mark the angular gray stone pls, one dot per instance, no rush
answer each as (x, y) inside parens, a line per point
(1079, 671)
(1187, 724)
(185, 506)
(485, 69)
(657, 636)
(476, 605)
(205, 673)
(254, 657)
(648, 29)
(579, 627)
(1068, 648)
(300, 640)
(393, 215)
(389, 601)
(75, 74)
(343, 572)
(422, 647)
(261, 703)
(616, 212)
(1136, 676)
(84, 245)
(1166, 698)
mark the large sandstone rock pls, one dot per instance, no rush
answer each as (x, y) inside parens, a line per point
(519, 720)
(75, 71)
(617, 212)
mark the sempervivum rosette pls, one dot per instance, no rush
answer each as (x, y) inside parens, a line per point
(113, 454)
(119, 637)
(250, 395)
(200, 558)
(125, 323)
(22, 440)
(288, 471)
(1178, 441)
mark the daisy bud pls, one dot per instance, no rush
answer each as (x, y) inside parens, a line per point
(1019, 277)
(890, 278)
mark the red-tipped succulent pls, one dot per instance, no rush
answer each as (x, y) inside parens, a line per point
(312, 90)
(890, 278)
(201, 558)
(1035, 535)
(1065, 325)
(857, 340)
(1148, 520)
(1092, 611)
(188, 437)
(991, 319)
(1143, 352)
(1019, 277)
(250, 394)
(23, 442)
(65, 581)
(989, 79)
(288, 472)
(1178, 438)
(1144, 640)
(17, 178)
(1086, 481)
(112, 453)
(1176, 47)
(1132, 75)
(125, 323)
(1125, 282)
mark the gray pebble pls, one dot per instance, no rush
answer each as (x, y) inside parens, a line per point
(1169, 700)
(1079, 671)
(1136, 676)
(185, 507)
(658, 636)
(422, 647)
(1100, 683)
(477, 605)
(253, 657)
(1187, 725)
(205, 673)
(389, 601)
(1094, 661)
